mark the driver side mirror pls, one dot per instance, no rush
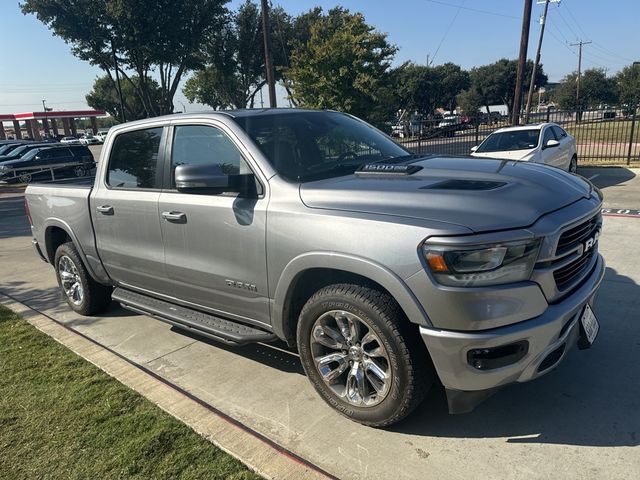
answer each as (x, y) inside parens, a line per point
(209, 179)
(551, 144)
(473, 149)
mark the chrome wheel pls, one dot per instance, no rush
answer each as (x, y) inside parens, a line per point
(351, 358)
(79, 172)
(70, 280)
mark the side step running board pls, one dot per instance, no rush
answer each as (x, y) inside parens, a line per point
(217, 328)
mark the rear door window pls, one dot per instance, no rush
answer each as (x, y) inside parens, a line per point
(133, 162)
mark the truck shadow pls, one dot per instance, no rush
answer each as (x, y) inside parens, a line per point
(591, 399)
(603, 177)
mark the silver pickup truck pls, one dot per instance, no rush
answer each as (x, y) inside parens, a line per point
(387, 270)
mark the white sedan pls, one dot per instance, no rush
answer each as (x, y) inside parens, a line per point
(70, 141)
(546, 143)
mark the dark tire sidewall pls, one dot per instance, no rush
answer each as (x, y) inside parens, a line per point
(393, 402)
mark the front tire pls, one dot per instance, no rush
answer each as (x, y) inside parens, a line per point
(83, 294)
(362, 355)
(573, 164)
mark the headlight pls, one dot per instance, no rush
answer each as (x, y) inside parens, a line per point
(482, 265)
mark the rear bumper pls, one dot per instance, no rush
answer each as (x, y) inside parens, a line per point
(550, 336)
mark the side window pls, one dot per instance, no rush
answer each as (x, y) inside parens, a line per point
(201, 144)
(560, 133)
(134, 159)
(59, 153)
(548, 135)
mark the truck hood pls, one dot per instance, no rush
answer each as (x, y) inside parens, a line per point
(477, 193)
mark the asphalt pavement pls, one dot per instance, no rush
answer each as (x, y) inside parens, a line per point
(581, 421)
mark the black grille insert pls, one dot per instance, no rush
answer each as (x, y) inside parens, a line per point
(565, 276)
(552, 358)
(578, 234)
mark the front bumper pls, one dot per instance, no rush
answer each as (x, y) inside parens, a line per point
(550, 336)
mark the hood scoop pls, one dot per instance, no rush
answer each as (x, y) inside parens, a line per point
(387, 169)
(475, 185)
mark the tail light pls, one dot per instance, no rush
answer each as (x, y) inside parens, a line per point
(26, 209)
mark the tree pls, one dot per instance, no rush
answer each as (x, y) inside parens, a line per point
(149, 37)
(342, 64)
(628, 85)
(595, 89)
(104, 96)
(423, 88)
(235, 69)
(470, 102)
(496, 82)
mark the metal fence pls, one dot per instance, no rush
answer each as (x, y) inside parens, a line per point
(606, 136)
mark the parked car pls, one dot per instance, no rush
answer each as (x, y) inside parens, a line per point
(546, 143)
(70, 140)
(21, 150)
(7, 147)
(386, 269)
(90, 140)
(41, 163)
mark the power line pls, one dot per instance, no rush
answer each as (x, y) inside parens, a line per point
(567, 23)
(486, 12)
(606, 51)
(446, 32)
(574, 18)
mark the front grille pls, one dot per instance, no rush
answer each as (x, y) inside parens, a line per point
(578, 234)
(565, 276)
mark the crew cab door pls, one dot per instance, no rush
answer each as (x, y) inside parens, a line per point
(124, 209)
(214, 245)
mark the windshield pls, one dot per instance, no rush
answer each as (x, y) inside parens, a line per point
(510, 140)
(20, 150)
(30, 154)
(306, 146)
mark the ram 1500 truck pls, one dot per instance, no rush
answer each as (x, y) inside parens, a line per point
(387, 270)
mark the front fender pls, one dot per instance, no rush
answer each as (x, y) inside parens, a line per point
(349, 264)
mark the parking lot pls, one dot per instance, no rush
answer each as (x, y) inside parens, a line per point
(582, 420)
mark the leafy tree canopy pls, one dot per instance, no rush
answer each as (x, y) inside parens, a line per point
(235, 69)
(595, 89)
(342, 63)
(160, 37)
(104, 96)
(628, 84)
(496, 83)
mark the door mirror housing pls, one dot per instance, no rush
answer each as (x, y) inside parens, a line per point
(209, 179)
(552, 144)
(474, 148)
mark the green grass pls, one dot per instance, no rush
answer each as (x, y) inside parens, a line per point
(617, 131)
(61, 417)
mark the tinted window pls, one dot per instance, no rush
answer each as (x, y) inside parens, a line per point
(200, 144)
(57, 153)
(548, 135)
(309, 145)
(134, 159)
(559, 132)
(510, 140)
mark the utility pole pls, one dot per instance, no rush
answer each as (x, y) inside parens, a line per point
(579, 45)
(536, 62)
(522, 60)
(268, 58)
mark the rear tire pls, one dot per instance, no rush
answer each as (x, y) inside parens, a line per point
(83, 294)
(375, 373)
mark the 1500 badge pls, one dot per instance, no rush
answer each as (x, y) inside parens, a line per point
(242, 285)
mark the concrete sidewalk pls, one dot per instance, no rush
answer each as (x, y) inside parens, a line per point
(580, 421)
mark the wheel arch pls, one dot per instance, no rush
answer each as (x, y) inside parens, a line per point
(58, 232)
(307, 273)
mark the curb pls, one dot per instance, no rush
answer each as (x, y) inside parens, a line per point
(256, 451)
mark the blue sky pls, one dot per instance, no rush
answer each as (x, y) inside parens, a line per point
(35, 65)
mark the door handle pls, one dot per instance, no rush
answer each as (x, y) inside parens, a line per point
(175, 217)
(105, 209)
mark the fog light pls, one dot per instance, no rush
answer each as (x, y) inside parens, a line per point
(496, 357)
